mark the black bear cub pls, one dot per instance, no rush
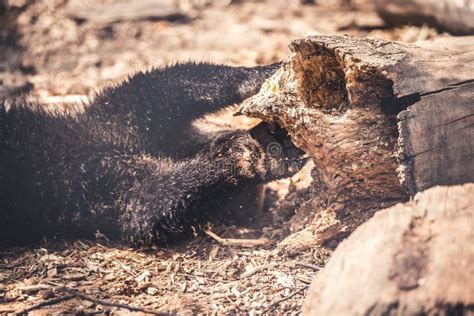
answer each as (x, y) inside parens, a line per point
(128, 165)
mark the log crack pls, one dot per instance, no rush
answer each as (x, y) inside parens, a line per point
(456, 120)
(399, 104)
(449, 87)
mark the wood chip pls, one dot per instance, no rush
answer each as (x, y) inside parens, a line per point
(257, 269)
(248, 243)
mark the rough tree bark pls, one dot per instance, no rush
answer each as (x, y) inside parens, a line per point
(411, 259)
(339, 98)
(455, 16)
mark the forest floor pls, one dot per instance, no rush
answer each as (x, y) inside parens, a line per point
(60, 51)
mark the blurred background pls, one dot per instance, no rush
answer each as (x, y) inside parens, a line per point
(61, 50)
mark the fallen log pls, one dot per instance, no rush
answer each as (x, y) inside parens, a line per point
(412, 259)
(109, 13)
(382, 121)
(454, 16)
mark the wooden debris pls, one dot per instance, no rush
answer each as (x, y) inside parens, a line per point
(307, 265)
(49, 302)
(29, 289)
(257, 269)
(76, 294)
(80, 295)
(162, 280)
(452, 16)
(108, 13)
(281, 300)
(246, 243)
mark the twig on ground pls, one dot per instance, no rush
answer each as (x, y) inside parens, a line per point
(49, 302)
(205, 278)
(76, 294)
(308, 265)
(303, 279)
(257, 269)
(281, 300)
(33, 288)
(247, 243)
(108, 303)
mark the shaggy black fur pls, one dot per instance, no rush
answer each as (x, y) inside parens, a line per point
(128, 165)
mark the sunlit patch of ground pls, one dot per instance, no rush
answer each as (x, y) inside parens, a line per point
(199, 276)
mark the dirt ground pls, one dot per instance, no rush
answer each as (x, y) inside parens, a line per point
(59, 51)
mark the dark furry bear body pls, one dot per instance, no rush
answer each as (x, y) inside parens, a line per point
(128, 166)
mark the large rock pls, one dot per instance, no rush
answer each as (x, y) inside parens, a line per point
(410, 259)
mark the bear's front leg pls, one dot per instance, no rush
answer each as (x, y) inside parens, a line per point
(171, 200)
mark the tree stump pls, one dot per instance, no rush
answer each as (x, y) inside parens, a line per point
(455, 16)
(382, 121)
